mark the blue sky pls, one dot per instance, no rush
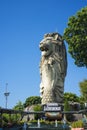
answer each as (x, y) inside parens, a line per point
(23, 24)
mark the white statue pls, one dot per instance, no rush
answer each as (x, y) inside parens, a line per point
(53, 68)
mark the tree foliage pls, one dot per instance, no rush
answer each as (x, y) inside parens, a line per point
(71, 97)
(83, 90)
(38, 107)
(19, 106)
(66, 106)
(76, 37)
(32, 101)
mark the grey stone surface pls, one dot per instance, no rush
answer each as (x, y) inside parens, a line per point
(53, 68)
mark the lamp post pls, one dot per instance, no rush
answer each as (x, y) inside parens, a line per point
(6, 95)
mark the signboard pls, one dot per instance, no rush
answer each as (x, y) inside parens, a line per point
(52, 107)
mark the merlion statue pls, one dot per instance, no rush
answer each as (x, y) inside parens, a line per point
(53, 67)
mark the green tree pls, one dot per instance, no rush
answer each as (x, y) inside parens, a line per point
(83, 90)
(67, 108)
(76, 36)
(32, 101)
(71, 97)
(19, 106)
(37, 108)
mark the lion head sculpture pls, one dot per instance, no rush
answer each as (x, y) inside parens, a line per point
(53, 67)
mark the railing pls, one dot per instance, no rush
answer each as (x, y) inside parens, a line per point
(11, 111)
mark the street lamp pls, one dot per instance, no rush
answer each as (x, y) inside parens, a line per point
(6, 95)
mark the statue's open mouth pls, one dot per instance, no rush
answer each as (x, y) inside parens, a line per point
(44, 48)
